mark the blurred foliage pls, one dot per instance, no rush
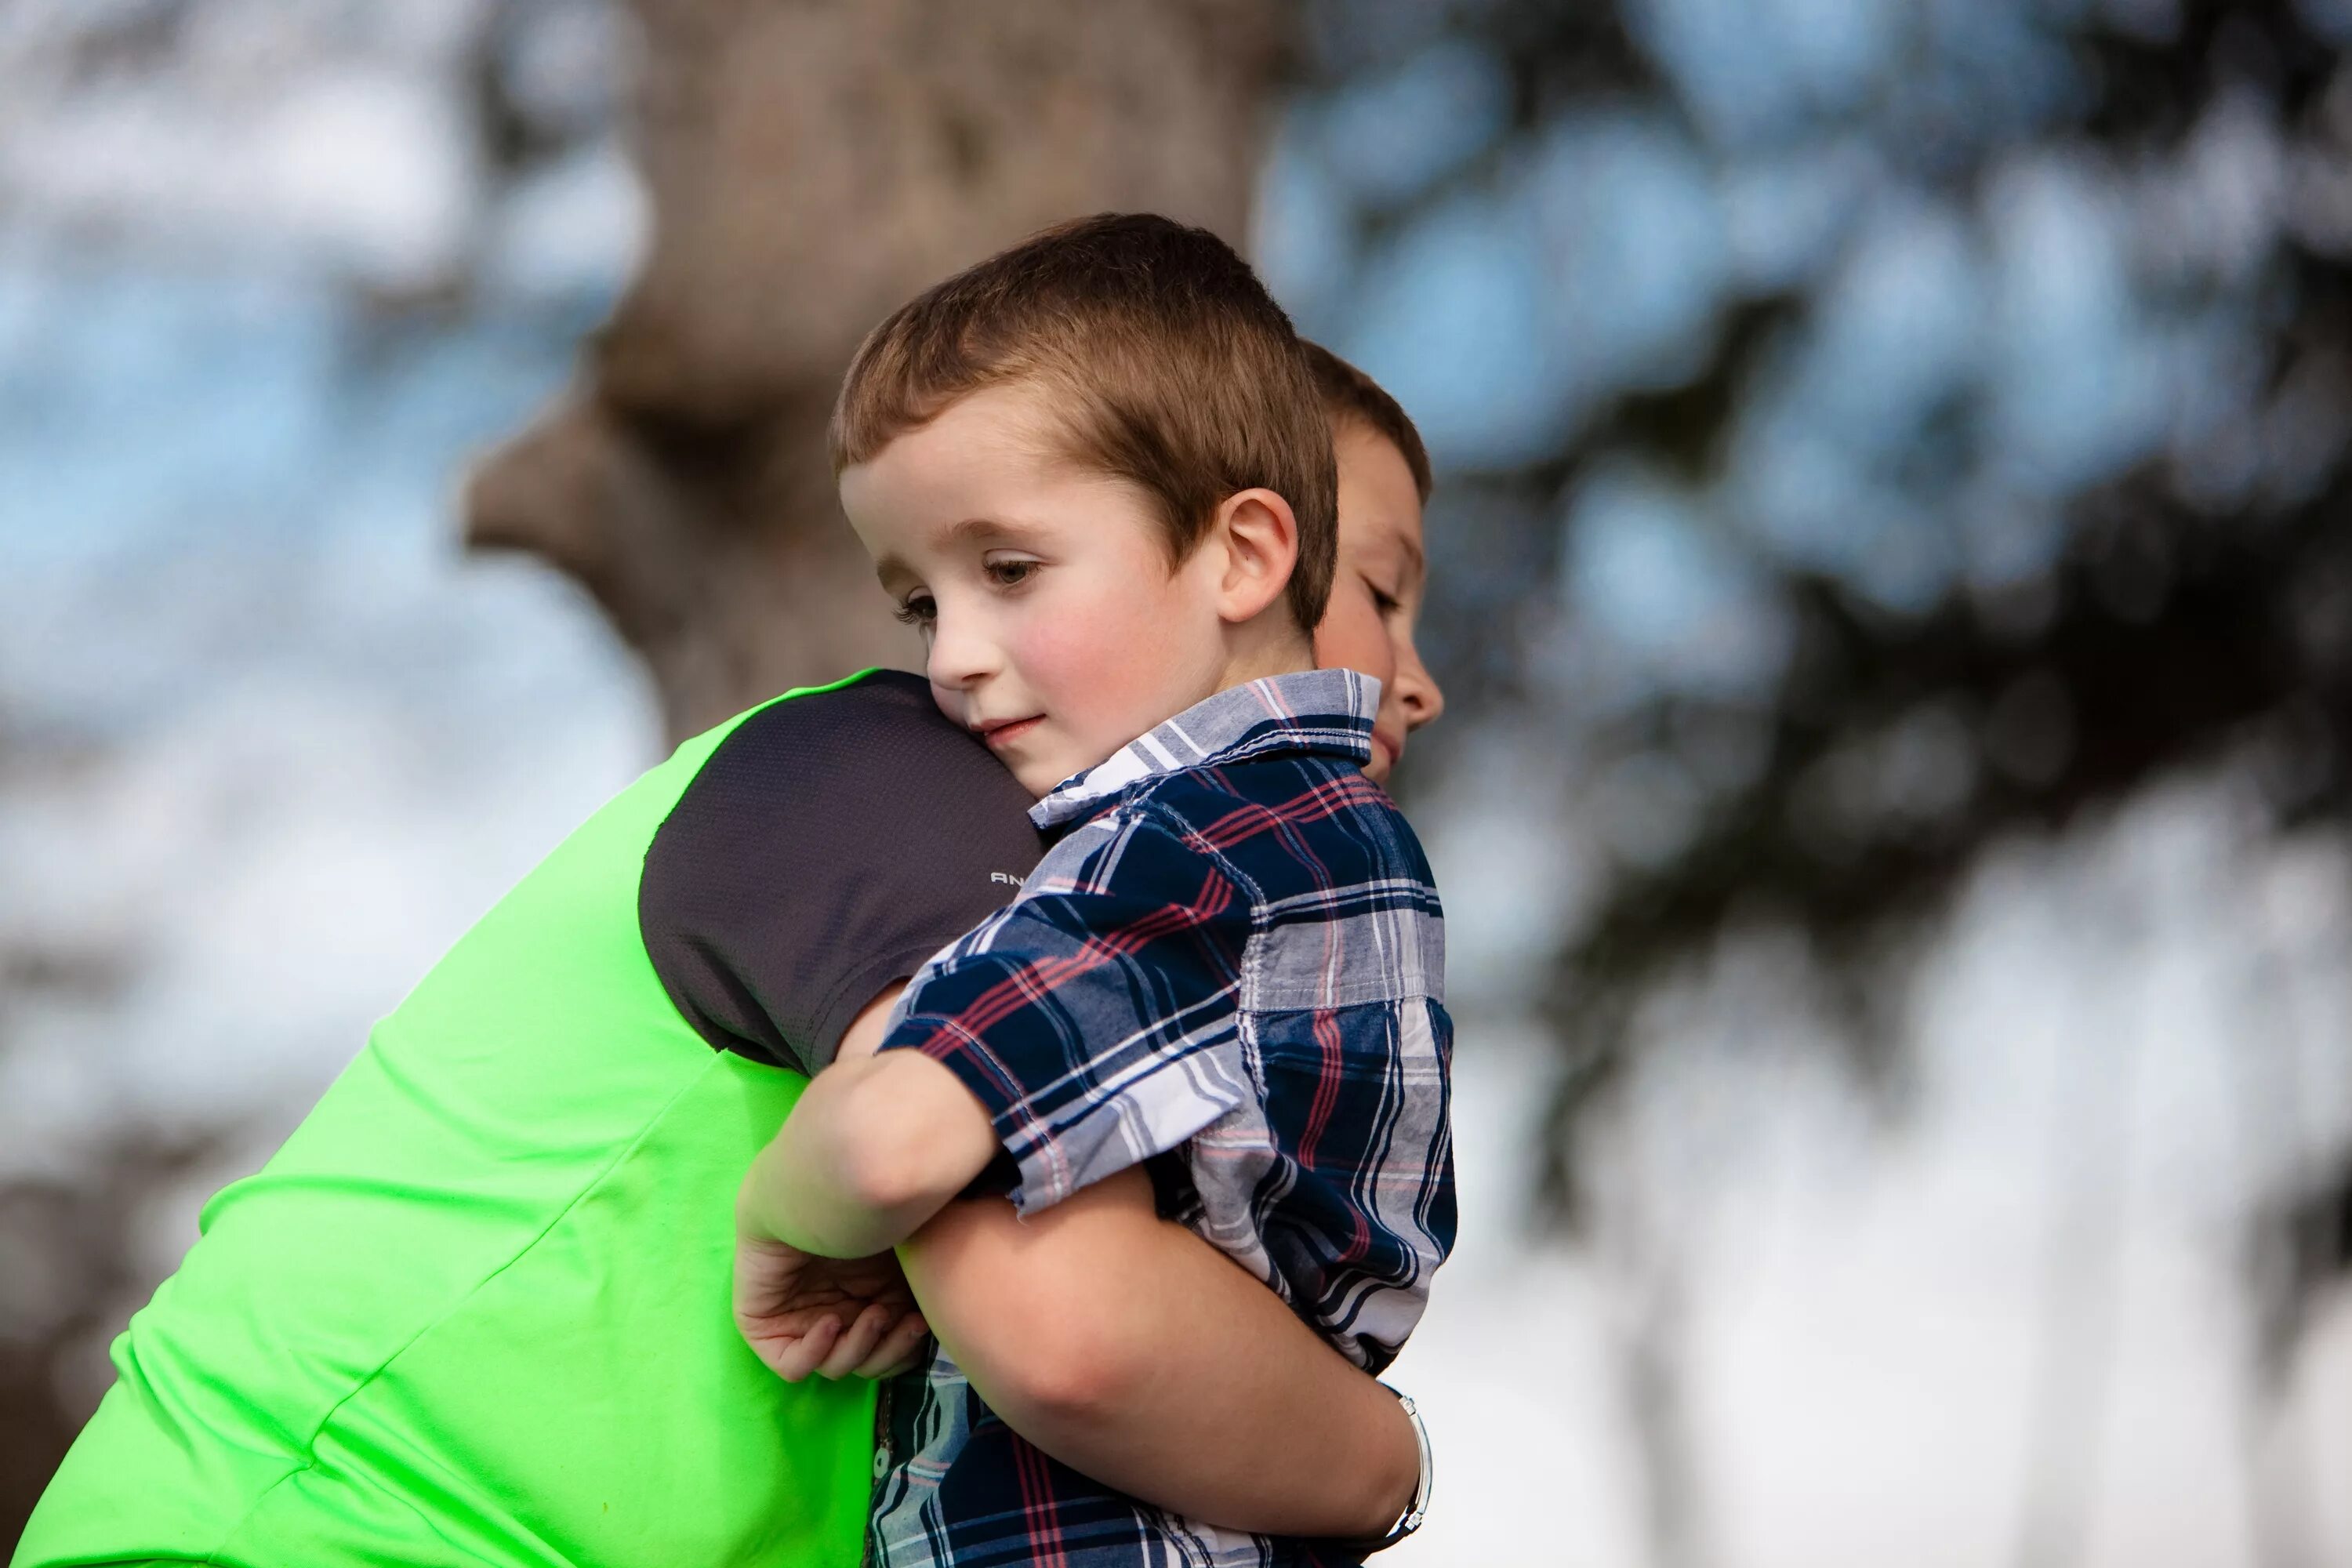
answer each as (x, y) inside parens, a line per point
(2191, 609)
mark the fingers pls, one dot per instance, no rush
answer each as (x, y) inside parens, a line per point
(864, 1335)
(897, 1351)
(793, 1359)
(885, 1339)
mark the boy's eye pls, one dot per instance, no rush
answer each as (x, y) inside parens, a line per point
(1382, 600)
(1010, 573)
(918, 610)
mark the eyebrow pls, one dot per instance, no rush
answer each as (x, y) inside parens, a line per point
(975, 529)
(971, 530)
(1414, 558)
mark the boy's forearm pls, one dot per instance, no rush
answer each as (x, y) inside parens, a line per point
(874, 1148)
(1130, 1349)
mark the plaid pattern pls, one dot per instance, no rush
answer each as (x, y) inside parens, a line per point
(1230, 965)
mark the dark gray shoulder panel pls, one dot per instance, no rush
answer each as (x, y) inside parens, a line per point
(831, 844)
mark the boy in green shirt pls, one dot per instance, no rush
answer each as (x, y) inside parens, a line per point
(476, 1310)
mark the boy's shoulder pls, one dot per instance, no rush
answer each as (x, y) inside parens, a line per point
(1262, 783)
(1283, 825)
(1294, 788)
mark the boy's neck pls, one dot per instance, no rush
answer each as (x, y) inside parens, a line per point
(1286, 655)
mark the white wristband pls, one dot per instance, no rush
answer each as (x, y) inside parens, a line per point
(1420, 1509)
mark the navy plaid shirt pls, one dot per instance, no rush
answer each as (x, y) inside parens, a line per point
(1230, 964)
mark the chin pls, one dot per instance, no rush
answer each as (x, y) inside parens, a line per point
(1039, 778)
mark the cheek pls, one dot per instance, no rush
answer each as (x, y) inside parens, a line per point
(1086, 654)
(1050, 651)
(1353, 636)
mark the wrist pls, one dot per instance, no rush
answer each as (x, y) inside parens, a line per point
(1397, 1474)
(1404, 1465)
(751, 1224)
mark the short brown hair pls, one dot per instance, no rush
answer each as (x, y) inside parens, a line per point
(1349, 394)
(1173, 366)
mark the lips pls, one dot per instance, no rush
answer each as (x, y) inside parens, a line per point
(1008, 730)
(1393, 744)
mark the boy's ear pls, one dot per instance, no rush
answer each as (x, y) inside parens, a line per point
(1259, 538)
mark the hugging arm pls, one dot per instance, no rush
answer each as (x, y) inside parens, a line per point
(1130, 1349)
(1118, 1342)
(876, 1147)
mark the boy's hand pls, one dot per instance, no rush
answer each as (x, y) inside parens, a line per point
(831, 1316)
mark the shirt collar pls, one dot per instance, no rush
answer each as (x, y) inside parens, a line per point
(1325, 712)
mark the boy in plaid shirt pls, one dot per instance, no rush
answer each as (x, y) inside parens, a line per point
(1096, 470)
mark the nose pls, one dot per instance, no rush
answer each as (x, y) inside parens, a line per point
(961, 654)
(1417, 690)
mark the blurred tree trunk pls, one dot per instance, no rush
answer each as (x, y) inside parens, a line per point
(811, 166)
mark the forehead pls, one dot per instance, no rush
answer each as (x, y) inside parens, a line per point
(974, 458)
(972, 440)
(1380, 506)
(987, 470)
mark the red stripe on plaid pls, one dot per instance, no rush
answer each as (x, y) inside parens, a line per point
(1032, 983)
(1327, 1085)
(1325, 800)
(1037, 1506)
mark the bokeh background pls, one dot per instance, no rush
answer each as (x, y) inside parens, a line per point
(1891, 573)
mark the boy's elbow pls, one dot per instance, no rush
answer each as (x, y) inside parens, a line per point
(1067, 1379)
(1046, 1354)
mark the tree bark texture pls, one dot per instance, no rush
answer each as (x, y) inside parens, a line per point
(811, 164)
